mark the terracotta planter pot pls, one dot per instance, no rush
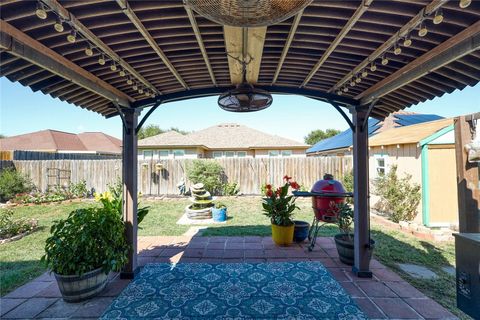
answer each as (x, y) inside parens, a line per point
(281, 235)
(79, 288)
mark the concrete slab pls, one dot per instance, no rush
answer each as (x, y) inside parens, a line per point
(417, 271)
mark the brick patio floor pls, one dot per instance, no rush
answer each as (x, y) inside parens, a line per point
(386, 296)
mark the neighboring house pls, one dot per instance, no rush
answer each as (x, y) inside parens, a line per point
(219, 141)
(341, 144)
(53, 141)
(427, 152)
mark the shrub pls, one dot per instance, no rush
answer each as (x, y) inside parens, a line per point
(399, 198)
(210, 173)
(88, 239)
(13, 182)
(347, 183)
(230, 189)
(10, 227)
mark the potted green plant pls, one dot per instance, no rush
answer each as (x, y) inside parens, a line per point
(279, 206)
(344, 240)
(83, 249)
(219, 212)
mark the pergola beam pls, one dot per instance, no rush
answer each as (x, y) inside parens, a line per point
(345, 30)
(21, 45)
(81, 28)
(413, 23)
(291, 35)
(151, 41)
(198, 35)
(454, 48)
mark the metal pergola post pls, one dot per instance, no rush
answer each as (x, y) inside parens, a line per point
(130, 198)
(362, 256)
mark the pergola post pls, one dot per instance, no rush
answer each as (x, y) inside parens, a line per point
(129, 171)
(362, 256)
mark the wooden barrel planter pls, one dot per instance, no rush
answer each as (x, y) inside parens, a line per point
(79, 288)
(346, 251)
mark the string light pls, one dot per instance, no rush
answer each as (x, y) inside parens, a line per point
(438, 18)
(345, 89)
(72, 36)
(464, 3)
(147, 93)
(58, 26)
(397, 50)
(101, 60)
(89, 51)
(41, 12)
(384, 60)
(122, 73)
(373, 67)
(364, 73)
(339, 92)
(113, 66)
(140, 90)
(358, 80)
(135, 87)
(407, 42)
(422, 32)
(129, 80)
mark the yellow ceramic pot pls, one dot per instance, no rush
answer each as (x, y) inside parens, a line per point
(282, 236)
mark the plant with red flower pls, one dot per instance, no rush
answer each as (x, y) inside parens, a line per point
(279, 206)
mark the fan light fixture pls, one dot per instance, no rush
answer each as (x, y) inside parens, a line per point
(247, 13)
(41, 12)
(58, 26)
(245, 98)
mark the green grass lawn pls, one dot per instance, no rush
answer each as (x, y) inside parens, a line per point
(19, 260)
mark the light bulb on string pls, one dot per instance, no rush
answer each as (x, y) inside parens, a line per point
(464, 3)
(58, 26)
(140, 90)
(422, 31)
(345, 89)
(358, 80)
(41, 12)
(397, 50)
(147, 93)
(339, 92)
(101, 60)
(72, 36)
(135, 87)
(438, 18)
(364, 73)
(122, 73)
(384, 60)
(89, 51)
(113, 66)
(129, 80)
(407, 42)
(352, 83)
(373, 67)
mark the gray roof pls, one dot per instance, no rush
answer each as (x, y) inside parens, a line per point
(223, 136)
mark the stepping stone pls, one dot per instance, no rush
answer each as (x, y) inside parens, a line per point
(450, 270)
(417, 271)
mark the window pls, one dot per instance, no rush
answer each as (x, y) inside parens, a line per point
(241, 154)
(229, 154)
(178, 153)
(273, 153)
(381, 164)
(286, 153)
(217, 154)
(147, 154)
(163, 154)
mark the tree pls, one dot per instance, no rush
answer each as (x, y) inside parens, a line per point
(319, 135)
(153, 130)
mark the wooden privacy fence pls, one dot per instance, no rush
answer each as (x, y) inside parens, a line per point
(159, 177)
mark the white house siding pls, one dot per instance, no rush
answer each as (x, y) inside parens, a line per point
(189, 153)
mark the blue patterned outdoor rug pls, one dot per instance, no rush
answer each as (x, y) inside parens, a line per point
(302, 290)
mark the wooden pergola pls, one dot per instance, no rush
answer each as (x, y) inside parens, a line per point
(364, 57)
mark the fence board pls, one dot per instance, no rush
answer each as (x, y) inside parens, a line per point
(249, 173)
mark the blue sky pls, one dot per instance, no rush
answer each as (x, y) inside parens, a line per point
(22, 111)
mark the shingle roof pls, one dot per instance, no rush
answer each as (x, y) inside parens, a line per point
(409, 134)
(53, 140)
(169, 138)
(395, 120)
(223, 136)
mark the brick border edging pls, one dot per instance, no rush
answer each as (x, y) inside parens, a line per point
(418, 231)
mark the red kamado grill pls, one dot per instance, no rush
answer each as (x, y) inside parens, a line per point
(325, 193)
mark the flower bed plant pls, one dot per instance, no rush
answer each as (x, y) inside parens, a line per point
(55, 194)
(10, 227)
